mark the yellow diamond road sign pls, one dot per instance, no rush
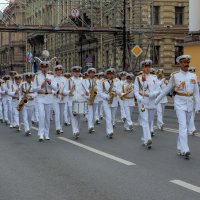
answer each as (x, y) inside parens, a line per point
(136, 51)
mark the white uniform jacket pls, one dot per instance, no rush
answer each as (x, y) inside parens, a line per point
(107, 86)
(91, 84)
(45, 95)
(187, 91)
(14, 92)
(79, 90)
(163, 84)
(147, 90)
(128, 99)
(60, 95)
(25, 86)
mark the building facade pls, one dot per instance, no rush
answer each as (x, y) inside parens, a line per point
(12, 45)
(192, 40)
(157, 26)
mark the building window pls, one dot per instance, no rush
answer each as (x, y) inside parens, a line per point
(179, 13)
(107, 20)
(156, 15)
(155, 55)
(178, 51)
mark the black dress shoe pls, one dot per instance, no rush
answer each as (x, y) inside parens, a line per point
(152, 134)
(149, 144)
(27, 133)
(110, 136)
(91, 130)
(187, 155)
(58, 132)
(124, 120)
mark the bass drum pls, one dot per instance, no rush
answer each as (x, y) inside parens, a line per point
(79, 108)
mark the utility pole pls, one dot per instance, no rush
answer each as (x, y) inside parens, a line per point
(124, 37)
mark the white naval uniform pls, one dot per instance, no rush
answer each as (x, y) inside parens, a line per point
(28, 110)
(45, 100)
(146, 93)
(109, 109)
(192, 127)
(4, 102)
(129, 103)
(121, 104)
(89, 84)
(1, 103)
(99, 110)
(186, 100)
(79, 96)
(59, 100)
(15, 101)
(161, 106)
(9, 84)
(67, 115)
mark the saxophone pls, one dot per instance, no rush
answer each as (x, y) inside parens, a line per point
(24, 99)
(111, 93)
(93, 94)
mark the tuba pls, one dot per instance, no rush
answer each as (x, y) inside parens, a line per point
(24, 99)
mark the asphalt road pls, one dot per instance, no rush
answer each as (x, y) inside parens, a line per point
(86, 169)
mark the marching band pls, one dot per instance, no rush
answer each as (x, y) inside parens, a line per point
(30, 98)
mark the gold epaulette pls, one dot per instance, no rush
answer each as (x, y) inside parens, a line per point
(116, 80)
(153, 75)
(103, 80)
(139, 75)
(174, 72)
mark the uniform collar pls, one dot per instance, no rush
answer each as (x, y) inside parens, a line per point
(184, 72)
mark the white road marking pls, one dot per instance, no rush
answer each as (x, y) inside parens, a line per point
(186, 185)
(125, 162)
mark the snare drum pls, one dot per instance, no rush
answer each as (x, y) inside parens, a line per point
(79, 107)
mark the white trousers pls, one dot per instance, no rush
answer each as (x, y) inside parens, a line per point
(110, 113)
(67, 118)
(59, 115)
(35, 116)
(99, 110)
(15, 113)
(27, 113)
(44, 119)
(122, 110)
(1, 109)
(75, 122)
(10, 112)
(146, 120)
(183, 121)
(192, 127)
(160, 114)
(91, 115)
(128, 110)
(5, 109)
